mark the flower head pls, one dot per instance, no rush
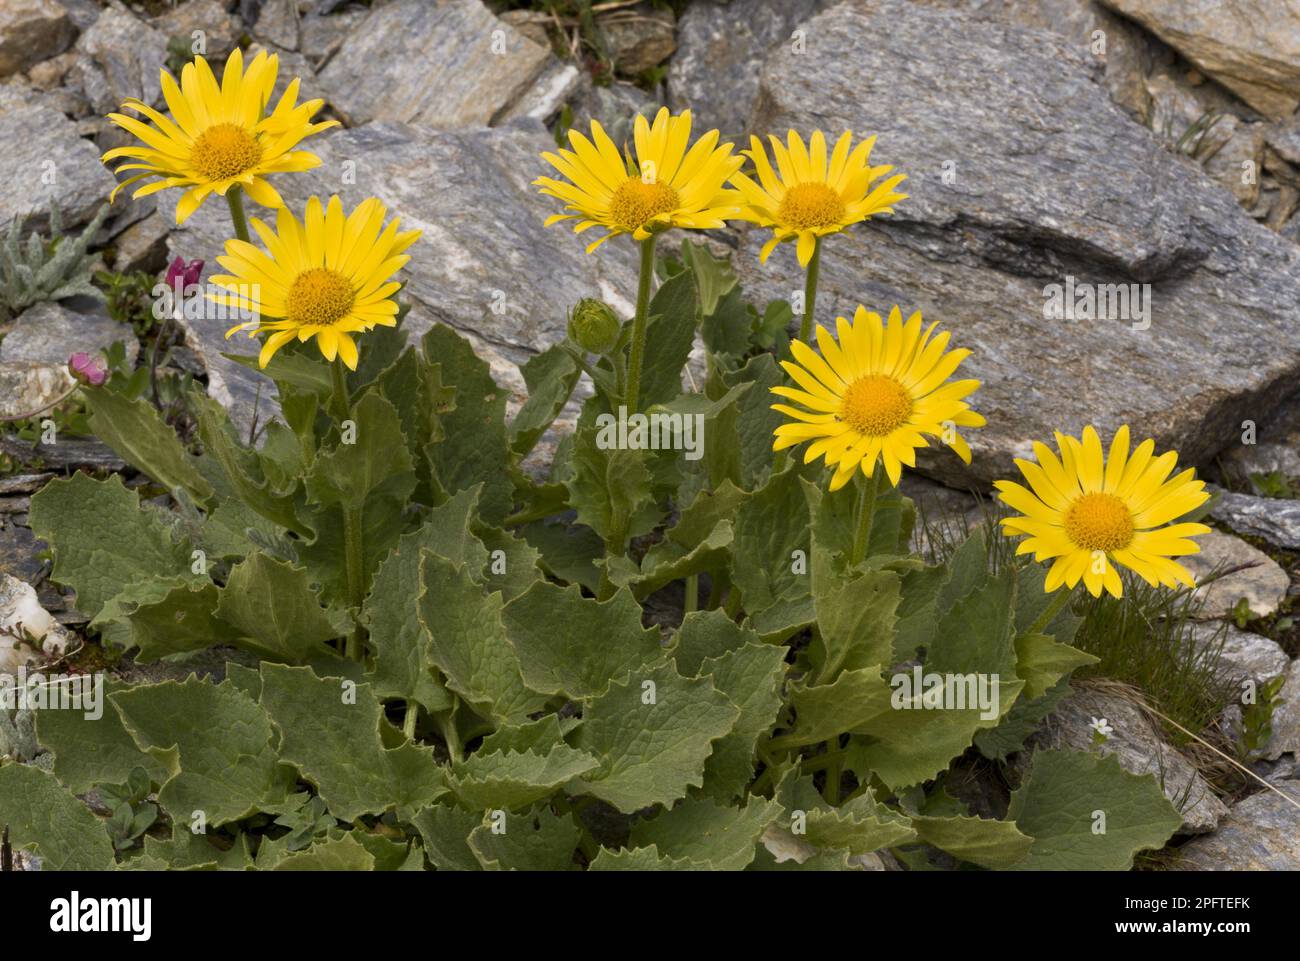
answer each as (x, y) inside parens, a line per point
(88, 369)
(809, 194)
(218, 135)
(664, 185)
(594, 326)
(182, 275)
(1086, 513)
(875, 393)
(327, 277)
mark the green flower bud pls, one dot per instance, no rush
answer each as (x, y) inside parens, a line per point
(594, 326)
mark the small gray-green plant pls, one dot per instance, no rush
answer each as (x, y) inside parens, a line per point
(133, 812)
(38, 269)
(1257, 717)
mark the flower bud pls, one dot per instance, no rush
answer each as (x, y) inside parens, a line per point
(181, 275)
(87, 369)
(594, 326)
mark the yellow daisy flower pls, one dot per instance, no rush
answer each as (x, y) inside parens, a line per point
(665, 185)
(327, 277)
(1087, 514)
(809, 194)
(218, 135)
(874, 393)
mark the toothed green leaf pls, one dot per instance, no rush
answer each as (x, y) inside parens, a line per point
(697, 829)
(536, 841)
(271, 606)
(43, 817)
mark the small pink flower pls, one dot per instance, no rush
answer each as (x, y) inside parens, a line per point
(181, 275)
(88, 369)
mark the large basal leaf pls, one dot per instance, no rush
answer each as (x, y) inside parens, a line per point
(467, 642)
(515, 781)
(670, 332)
(376, 465)
(335, 854)
(215, 743)
(852, 701)
(329, 729)
(611, 489)
(184, 619)
(652, 734)
(770, 527)
(855, 623)
(93, 750)
(641, 859)
(986, 842)
(706, 634)
(1086, 813)
(43, 817)
(134, 429)
(445, 831)
(751, 678)
(570, 644)
(722, 837)
(533, 841)
(475, 446)
(274, 611)
(103, 540)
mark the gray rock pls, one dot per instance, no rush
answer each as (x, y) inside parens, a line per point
(483, 244)
(1237, 163)
(1243, 656)
(50, 333)
(720, 50)
(638, 38)
(440, 65)
(219, 30)
(556, 86)
(1260, 580)
(121, 58)
(64, 454)
(143, 245)
(27, 389)
(44, 160)
(1252, 48)
(1023, 175)
(1138, 746)
(1275, 519)
(19, 551)
(320, 36)
(278, 23)
(614, 106)
(1261, 833)
(32, 31)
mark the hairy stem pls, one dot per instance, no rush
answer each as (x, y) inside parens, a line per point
(810, 292)
(353, 547)
(866, 511)
(637, 358)
(235, 198)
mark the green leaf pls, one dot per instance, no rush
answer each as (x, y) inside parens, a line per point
(272, 607)
(536, 841)
(1042, 662)
(751, 678)
(706, 634)
(103, 540)
(570, 644)
(1059, 804)
(770, 527)
(640, 859)
(855, 623)
(329, 729)
(714, 277)
(850, 702)
(474, 447)
(445, 832)
(134, 429)
(43, 817)
(700, 830)
(215, 743)
(515, 781)
(652, 734)
(671, 331)
(467, 642)
(182, 620)
(755, 419)
(858, 826)
(610, 488)
(376, 466)
(990, 844)
(550, 377)
(567, 552)
(92, 750)
(336, 854)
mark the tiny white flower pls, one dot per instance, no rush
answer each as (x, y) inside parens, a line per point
(1101, 727)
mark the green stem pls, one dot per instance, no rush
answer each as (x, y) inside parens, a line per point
(353, 547)
(866, 513)
(1058, 602)
(692, 593)
(639, 324)
(810, 292)
(408, 720)
(235, 198)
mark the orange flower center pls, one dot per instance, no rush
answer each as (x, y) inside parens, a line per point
(1099, 522)
(225, 150)
(809, 206)
(319, 296)
(876, 405)
(635, 202)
